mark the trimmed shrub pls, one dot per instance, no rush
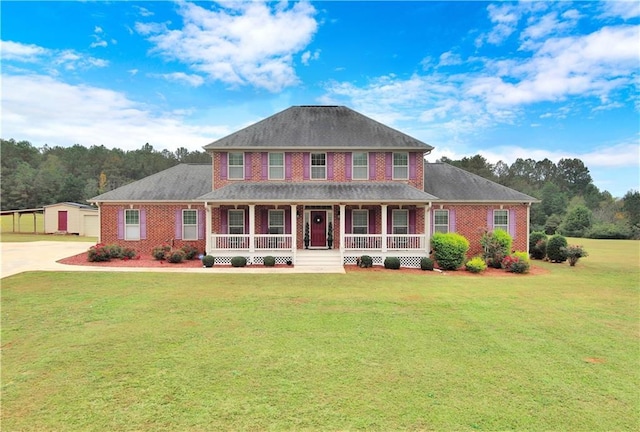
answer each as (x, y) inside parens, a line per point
(392, 263)
(496, 246)
(538, 245)
(522, 255)
(476, 265)
(554, 248)
(426, 263)
(574, 253)
(98, 253)
(449, 250)
(160, 252)
(190, 252)
(176, 256)
(114, 251)
(208, 260)
(365, 261)
(516, 263)
(238, 261)
(128, 253)
(269, 261)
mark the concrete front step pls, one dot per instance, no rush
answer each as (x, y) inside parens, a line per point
(321, 259)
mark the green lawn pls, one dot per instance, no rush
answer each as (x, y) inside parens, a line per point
(361, 351)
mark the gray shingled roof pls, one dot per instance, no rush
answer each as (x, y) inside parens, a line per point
(321, 127)
(450, 183)
(321, 191)
(182, 182)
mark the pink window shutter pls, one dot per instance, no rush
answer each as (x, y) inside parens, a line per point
(490, 220)
(412, 221)
(265, 165)
(120, 224)
(223, 166)
(330, 166)
(287, 221)
(143, 224)
(223, 221)
(372, 221)
(202, 215)
(305, 166)
(178, 230)
(389, 220)
(388, 162)
(347, 166)
(265, 221)
(372, 166)
(412, 166)
(248, 166)
(347, 221)
(287, 166)
(512, 223)
(452, 220)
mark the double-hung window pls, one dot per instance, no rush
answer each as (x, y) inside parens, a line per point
(401, 166)
(360, 221)
(276, 166)
(400, 221)
(132, 224)
(360, 163)
(441, 221)
(318, 166)
(276, 221)
(236, 166)
(189, 224)
(501, 220)
(236, 221)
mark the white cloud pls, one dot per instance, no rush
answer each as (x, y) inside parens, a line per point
(192, 80)
(97, 29)
(21, 52)
(238, 43)
(92, 116)
(48, 58)
(96, 44)
(450, 59)
(307, 55)
(624, 9)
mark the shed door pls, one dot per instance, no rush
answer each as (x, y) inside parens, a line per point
(62, 220)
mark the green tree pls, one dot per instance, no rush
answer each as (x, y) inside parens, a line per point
(577, 222)
(554, 201)
(631, 206)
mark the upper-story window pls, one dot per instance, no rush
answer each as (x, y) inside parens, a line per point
(401, 166)
(276, 166)
(501, 220)
(441, 221)
(360, 163)
(236, 166)
(318, 166)
(189, 224)
(131, 224)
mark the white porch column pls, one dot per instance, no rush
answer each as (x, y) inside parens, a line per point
(208, 228)
(294, 232)
(252, 229)
(427, 227)
(342, 228)
(384, 227)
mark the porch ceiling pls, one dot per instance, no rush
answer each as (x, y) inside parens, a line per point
(298, 192)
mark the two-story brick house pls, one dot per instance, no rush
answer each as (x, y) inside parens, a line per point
(312, 177)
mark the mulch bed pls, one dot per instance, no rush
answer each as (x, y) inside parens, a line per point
(147, 261)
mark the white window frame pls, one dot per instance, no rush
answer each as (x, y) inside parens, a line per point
(272, 225)
(501, 226)
(131, 230)
(274, 167)
(189, 230)
(237, 169)
(398, 167)
(229, 220)
(355, 168)
(395, 227)
(438, 225)
(314, 168)
(360, 228)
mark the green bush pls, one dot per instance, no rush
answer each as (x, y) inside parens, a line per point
(426, 263)
(449, 250)
(365, 261)
(190, 252)
(98, 253)
(208, 261)
(554, 248)
(476, 265)
(538, 245)
(176, 256)
(577, 222)
(516, 263)
(605, 230)
(496, 246)
(238, 261)
(522, 255)
(160, 252)
(392, 263)
(114, 251)
(128, 253)
(574, 253)
(269, 261)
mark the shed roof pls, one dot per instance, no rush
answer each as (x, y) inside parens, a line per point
(72, 204)
(183, 182)
(450, 183)
(321, 127)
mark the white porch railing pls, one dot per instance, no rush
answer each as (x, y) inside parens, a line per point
(374, 241)
(243, 241)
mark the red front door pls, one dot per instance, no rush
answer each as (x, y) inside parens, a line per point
(318, 228)
(62, 221)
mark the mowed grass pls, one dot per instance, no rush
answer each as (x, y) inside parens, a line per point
(24, 230)
(361, 351)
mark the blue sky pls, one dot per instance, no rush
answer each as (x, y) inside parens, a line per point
(506, 80)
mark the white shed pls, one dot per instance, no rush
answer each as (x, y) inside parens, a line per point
(71, 218)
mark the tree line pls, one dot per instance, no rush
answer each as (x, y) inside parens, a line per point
(570, 203)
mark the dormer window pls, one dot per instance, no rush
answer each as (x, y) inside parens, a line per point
(318, 166)
(236, 166)
(401, 166)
